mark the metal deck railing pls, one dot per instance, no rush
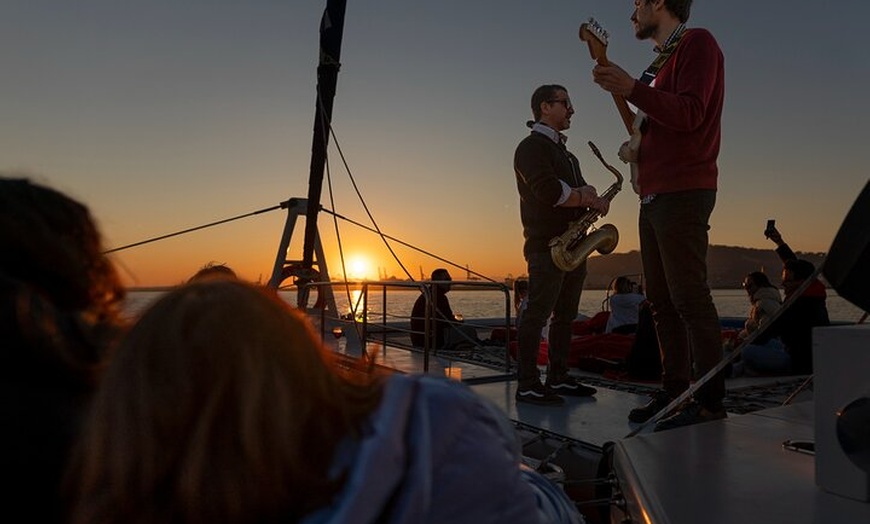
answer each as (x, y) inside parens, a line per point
(372, 317)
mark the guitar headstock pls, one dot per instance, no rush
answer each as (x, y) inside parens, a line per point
(596, 37)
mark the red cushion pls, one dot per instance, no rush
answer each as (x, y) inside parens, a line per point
(591, 326)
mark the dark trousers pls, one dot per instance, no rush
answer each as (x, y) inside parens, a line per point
(551, 291)
(673, 242)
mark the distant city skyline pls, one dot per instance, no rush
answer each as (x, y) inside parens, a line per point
(163, 116)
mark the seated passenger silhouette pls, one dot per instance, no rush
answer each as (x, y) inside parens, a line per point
(446, 331)
(222, 405)
(764, 299)
(60, 301)
(794, 325)
(624, 303)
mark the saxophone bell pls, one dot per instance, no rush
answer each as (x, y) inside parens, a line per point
(573, 247)
(568, 258)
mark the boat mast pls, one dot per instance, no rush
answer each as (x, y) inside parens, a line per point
(302, 271)
(331, 31)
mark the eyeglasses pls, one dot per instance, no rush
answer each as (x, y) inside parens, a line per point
(564, 101)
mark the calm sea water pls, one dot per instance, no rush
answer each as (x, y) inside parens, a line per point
(489, 304)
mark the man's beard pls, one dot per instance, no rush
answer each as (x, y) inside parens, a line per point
(646, 31)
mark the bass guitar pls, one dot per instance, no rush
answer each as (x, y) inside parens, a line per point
(596, 38)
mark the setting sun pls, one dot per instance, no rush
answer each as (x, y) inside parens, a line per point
(359, 267)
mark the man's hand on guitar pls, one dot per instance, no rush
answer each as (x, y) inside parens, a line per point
(627, 153)
(613, 79)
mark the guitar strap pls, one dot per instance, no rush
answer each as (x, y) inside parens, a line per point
(665, 53)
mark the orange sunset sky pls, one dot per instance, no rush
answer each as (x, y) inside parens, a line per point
(163, 116)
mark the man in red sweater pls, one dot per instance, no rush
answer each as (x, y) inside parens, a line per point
(681, 94)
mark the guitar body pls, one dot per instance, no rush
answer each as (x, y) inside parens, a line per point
(596, 38)
(632, 150)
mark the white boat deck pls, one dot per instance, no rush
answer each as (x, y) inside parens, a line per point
(728, 471)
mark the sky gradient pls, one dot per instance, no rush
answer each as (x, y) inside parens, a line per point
(167, 115)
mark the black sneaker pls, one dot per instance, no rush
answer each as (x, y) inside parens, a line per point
(536, 393)
(660, 399)
(570, 386)
(692, 413)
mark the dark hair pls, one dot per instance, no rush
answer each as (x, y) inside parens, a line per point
(213, 270)
(65, 294)
(621, 285)
(59, 316)
(440, 274)
(679, 8)
(759, 279)
(221, 405)
(801, 269)
(521, 290)
(51, 242)
(543, 94)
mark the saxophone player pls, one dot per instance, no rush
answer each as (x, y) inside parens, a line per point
(552, 194)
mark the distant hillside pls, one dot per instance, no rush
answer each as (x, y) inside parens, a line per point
(727, 265)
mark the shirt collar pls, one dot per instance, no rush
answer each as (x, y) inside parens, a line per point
(680, 28)
(549, 132)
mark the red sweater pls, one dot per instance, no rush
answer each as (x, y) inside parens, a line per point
(682, 133)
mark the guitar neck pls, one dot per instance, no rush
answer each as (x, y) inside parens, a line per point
(621, 105)
(624, 112)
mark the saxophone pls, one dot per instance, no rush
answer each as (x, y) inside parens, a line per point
(572, 247)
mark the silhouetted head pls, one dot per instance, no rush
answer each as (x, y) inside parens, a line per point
(551, 105)
(51, 242)
(650, 17)
(442, 274)
(521, 288)
(679, 8)
(221, 404)
(755, 281)
(213, 270)
(61, 296)
(622, 285)
(799, 268)
(794, 272)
